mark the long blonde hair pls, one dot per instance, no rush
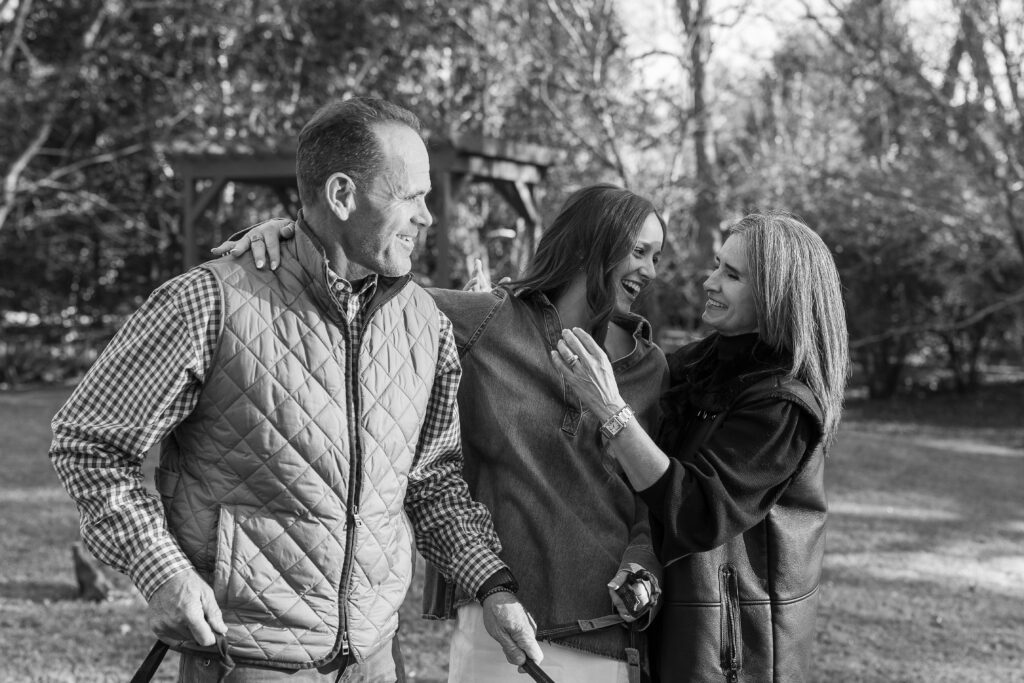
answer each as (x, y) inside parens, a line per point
(799, 304)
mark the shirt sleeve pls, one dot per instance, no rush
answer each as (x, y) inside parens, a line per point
(732, 481)
(142, 386)
(453, 532)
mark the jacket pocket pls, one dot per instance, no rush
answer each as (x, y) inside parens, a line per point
(731, 643)
(276, 580)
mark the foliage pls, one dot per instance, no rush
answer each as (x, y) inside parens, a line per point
(847, 139)
(905, 153)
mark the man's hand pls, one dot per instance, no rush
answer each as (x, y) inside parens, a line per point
(184, 609)
(263, 240)
(506, 620)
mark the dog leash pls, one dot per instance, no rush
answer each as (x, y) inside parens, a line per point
(151, 663)
(536, 673)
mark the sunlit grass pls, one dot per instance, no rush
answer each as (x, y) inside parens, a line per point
(924, 574)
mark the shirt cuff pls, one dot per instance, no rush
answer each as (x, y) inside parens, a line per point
(654, 495)
(152, 569)
(475, 567)
(501, 579)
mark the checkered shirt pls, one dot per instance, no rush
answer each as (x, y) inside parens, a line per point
(148, 380)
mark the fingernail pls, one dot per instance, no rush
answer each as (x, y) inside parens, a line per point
(259, 264)
(273, 265)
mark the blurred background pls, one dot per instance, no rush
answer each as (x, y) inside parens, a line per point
(136, 135)
(894, 128)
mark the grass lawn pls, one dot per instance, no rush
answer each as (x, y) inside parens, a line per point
(924, 572)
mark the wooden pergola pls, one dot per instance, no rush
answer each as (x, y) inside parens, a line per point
(513, 169)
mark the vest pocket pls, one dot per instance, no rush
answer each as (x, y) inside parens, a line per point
(166, 484)
(276, 580)
(731, 644)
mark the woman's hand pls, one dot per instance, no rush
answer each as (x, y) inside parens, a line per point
(479, 281)
(263, 240)
(586, 368)
(645, 591)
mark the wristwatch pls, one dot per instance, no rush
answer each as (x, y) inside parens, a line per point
(617, 422)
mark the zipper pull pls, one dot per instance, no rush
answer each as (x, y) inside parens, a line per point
(344, 643)
(357, 518)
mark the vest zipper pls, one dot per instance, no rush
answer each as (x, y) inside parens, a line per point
(355, 480)
(730, 603)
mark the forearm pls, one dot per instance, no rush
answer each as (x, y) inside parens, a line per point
(453, 532)
(145, 382)
(121, 523)
(640, 549)
(640, 458)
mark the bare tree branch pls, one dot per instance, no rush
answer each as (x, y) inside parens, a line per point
(973, 319)
(13, 176)
(7, 61)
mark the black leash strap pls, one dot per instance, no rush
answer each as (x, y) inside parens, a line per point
(151, 663)
(536, 673)
(634, 663)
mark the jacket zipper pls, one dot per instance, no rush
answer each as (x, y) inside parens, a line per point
(729, 586)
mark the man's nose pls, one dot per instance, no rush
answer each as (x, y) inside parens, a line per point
(423, 218)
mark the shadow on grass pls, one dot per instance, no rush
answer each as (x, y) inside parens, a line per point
(873, 629)
(924, 567)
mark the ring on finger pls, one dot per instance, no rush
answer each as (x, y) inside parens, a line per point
(256, 238)
(573, 360)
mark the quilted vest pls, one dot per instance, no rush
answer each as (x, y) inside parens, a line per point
(285, 486)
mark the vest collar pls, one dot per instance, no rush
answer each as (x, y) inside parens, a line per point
(312, 256)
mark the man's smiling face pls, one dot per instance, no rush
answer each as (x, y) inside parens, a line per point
(381, 232)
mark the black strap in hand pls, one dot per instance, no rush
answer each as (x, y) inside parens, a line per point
(536, 673)
(151, 663)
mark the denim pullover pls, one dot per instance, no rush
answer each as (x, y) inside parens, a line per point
(565, 515)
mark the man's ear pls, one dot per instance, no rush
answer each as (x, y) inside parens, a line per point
(340, 193)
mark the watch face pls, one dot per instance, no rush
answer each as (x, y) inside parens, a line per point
(617, 422)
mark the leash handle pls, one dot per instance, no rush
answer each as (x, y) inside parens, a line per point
(151, 663)
(536, 673)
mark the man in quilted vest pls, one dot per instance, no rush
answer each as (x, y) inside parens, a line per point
(308, 430)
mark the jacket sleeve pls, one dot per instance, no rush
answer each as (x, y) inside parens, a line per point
(733, 479)
(453, 532)
(469, 313)
(640, 551)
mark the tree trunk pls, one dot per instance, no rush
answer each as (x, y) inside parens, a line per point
(706, 211)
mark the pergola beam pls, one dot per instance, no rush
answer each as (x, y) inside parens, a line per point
(513, 169)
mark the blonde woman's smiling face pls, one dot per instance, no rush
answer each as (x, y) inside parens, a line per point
(730, 308)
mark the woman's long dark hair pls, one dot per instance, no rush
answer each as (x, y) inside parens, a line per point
(594, 231)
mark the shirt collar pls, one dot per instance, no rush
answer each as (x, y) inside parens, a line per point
(351, 296)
